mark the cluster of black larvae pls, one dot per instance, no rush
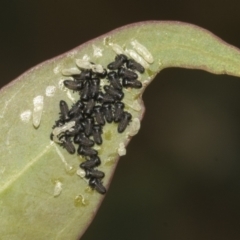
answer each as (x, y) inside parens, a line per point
(83, 123)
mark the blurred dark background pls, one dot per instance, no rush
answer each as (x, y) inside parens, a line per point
(180, 179)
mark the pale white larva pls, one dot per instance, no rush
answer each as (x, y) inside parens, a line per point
(143, 51)
(85, 64)
(116, 48)
(121, 149)
(37, 110)
(137, 57)
(66, 127)
(71, 71)
(57, 189)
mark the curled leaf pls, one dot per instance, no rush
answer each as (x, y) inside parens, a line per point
(42, 195)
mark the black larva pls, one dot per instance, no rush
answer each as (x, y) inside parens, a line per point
(93, 162)
(68, 145)
(105, 98)
(125, 119)
(96, 184)
(96, 132)
(108, 112)
(73, 85)
(89, 107)
(64, 111)
(99, 115)
(114, 80)
(118, 95)
(133, 65)
(86, 151)
(85, 93)
(131, 83)
(123, 72)
(83, 140)
(95, 83)
(88, 126)
(119, 106)
(119, 61)
(83, 124)
(76, 108)
(92, 173)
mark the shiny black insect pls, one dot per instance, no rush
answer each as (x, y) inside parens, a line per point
(86, 151)
(89, 107)
(131, 83)
(84, 75)
(64, 111)
(76, 108)
(119, 61)
(119, 106)
(68, 145)
(85, 93)
(114, 80)
(133, 65)
(108, 112)
(96, 132)
(125, 73)
(78, 128)
(118, 95)
(105, 98)
(93, 162)
(99, 115)
(83, 140)
(125, 119)
(73, 85)
(95, 84)
(92, 173)
(88, 126)
(96, 184)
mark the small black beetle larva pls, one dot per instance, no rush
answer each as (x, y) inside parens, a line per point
(107, 111)
(131, 83)
(77, 129)
(125, 119)
(68, 145)
(96, 184)
(119, 106)
(99, 115)
(89, 107)
(125, 73)
(73, 85)
(118, 95)
(88, 126)
(114, 80)
(105, 98)
(95, 84)
(83, 140)
(64, 111)
(92, 173)
(119, 61)
(86, 151)
(85, 92)
(96, 132)
(76, 108)
(133, 65)
(93, 162)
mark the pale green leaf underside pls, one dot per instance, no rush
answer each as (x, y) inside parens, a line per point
(31, 165)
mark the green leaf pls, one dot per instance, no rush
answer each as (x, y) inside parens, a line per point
(41, 194)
